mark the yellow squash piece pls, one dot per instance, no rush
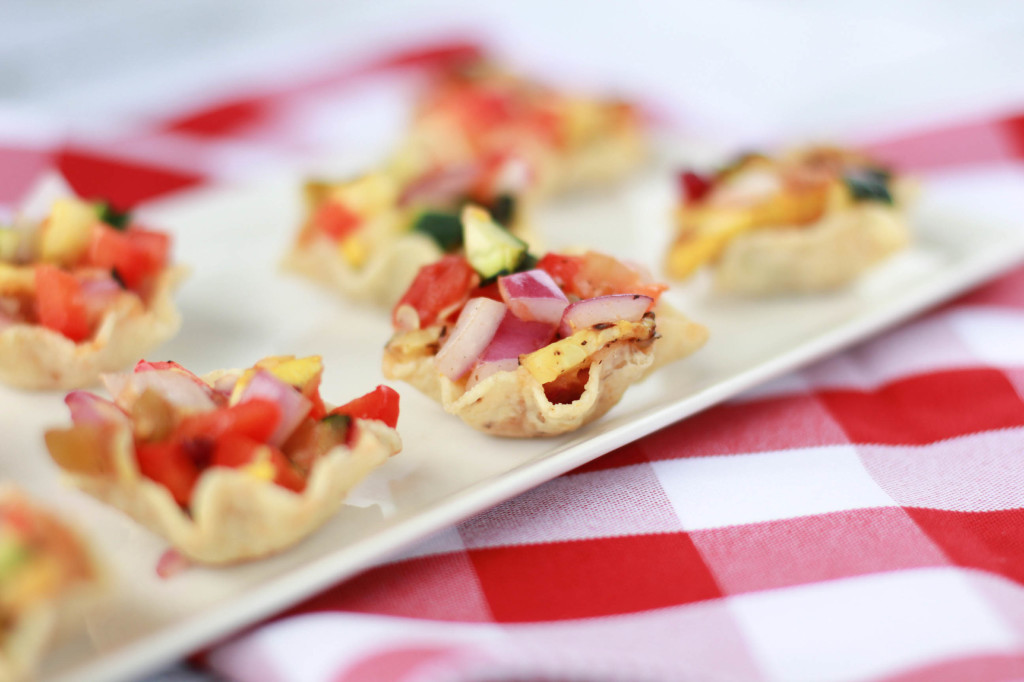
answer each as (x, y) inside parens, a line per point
(302, 373)
(66, 235)
(553, 360)
(17, 279)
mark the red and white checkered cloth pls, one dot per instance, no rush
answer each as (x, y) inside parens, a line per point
(862, 519)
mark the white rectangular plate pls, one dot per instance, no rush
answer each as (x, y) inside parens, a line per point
(238, 307)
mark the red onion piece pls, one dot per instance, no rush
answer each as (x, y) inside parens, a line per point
(476, 326)
(224, 385)
(98, 294)
(603, 309)
(89, 408)
(513, 176)
(747, 187)
(171, 563)
(515, 337)
(533, 296)
(441, 186)
(406, 318)
(293, 405)
(174, 386)
(484, 369)
(146, 366)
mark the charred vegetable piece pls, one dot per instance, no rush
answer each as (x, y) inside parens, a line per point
(869, 184)
(443, 227)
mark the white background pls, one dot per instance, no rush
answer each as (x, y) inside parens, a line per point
(740, 69)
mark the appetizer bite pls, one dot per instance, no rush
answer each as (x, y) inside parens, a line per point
(232, 466)
(46, 576)
(366, 238)
(83, 291)
(810, 220)
(522, 347)
(477, 111)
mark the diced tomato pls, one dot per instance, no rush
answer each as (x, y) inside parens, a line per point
(483, 110)
(547, 124)
(169, 465)
(255, 419)
(135, 254)
(318, 410)
(60, 303)
(336, 220)
(147, 366)
(693, 187)
(381, 404)
(563, 269)
(490, 291)
(438, 287)
(601, 275)
(237, 452)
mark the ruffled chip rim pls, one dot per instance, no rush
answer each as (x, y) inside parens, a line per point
(33, 357)
(533, 415)
(23, 646)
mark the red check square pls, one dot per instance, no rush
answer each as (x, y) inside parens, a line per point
(597, 577)
(778, 423)
(124, 183)
(991, 541)
(927, 408)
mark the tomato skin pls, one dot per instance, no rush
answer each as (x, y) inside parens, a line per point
(336, 220)
(437, 287)
(693, 187)
(318, 410)
(255, 419)
(60, 304)
(136, 254)
(381, 404)
(237, 451)
(563, 269)
(169, 465)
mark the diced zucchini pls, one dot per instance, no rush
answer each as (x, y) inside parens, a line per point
(338, 425)
(869, 184)
(13, 555)
(443, 227)
(338, 422)
(490, 249)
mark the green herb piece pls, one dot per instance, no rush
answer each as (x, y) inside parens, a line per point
(116, 276)
(338, 422)
(503, 209)
(119, 220)
(443, 228)
(869, 184)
